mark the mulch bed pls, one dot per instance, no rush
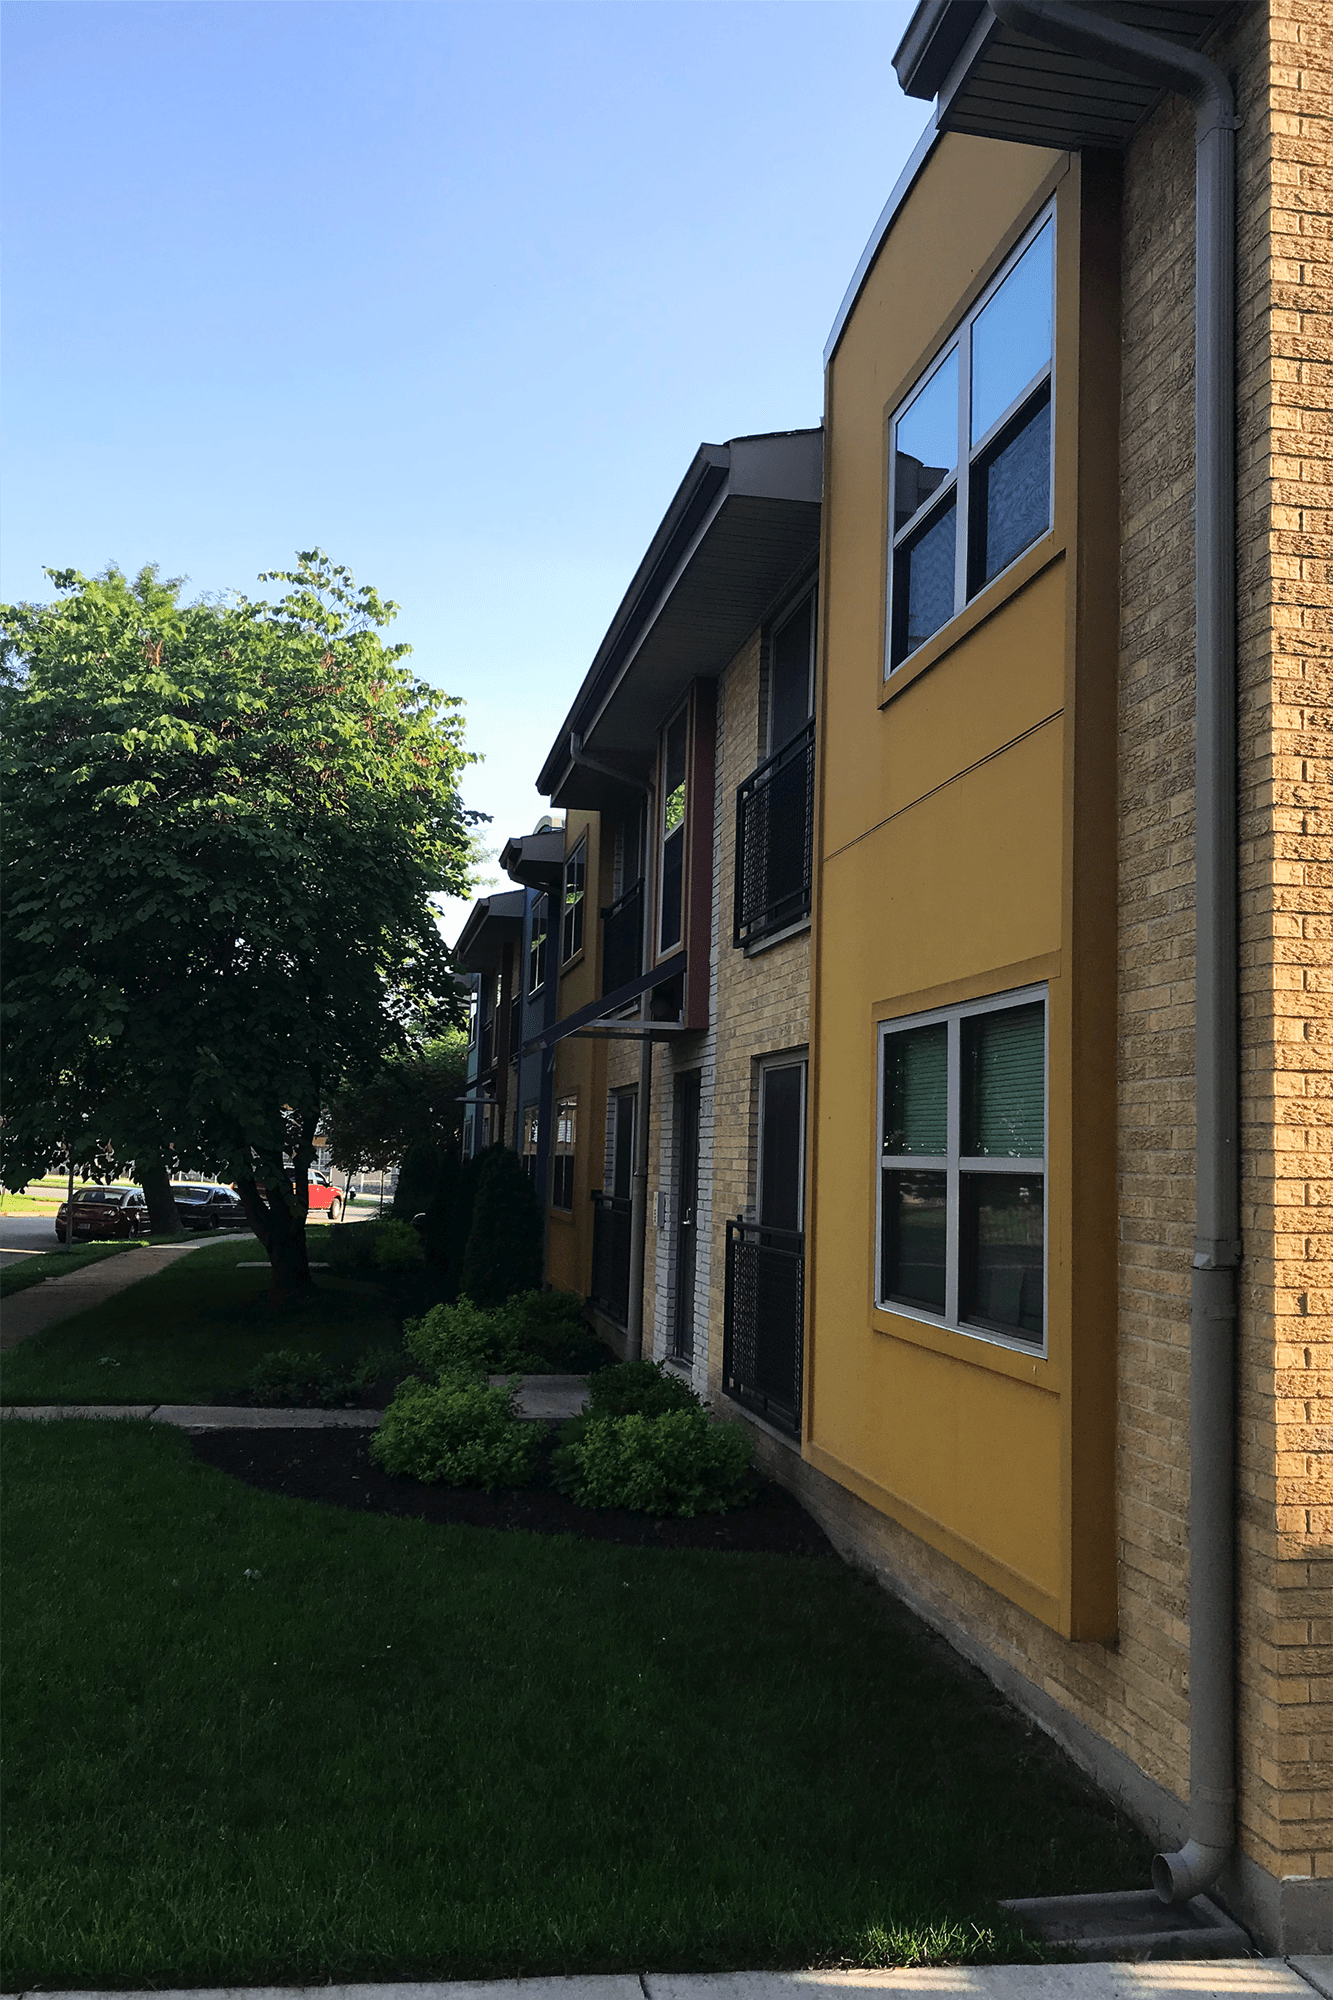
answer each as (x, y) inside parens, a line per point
(335, 1466)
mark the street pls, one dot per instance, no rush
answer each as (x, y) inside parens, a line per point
(26, 1236)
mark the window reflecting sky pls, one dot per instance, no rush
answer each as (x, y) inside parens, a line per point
(1011, 336)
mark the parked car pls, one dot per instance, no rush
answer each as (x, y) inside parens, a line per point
(323, 1196)
(204, 1205)
(102, 1213)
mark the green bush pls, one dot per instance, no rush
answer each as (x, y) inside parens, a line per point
(676, 1463)
(504, 1245)
(545, 1333)
(456, 1341)
(419, 1174)
(397, 1246)
(456, 1433)
(371, 1249)
(284, 1376)
(638, 1388)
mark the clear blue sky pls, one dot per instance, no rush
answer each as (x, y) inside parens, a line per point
(451, 290)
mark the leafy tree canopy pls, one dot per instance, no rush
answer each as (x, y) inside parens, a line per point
(411, 1100)
(227, 822)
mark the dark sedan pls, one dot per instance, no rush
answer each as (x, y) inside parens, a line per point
(103, 1213)
(207, 1205)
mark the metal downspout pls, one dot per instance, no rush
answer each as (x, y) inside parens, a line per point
(638, 1215)
(1217, 1248)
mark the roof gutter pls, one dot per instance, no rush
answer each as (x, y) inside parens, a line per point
(1217, 1248)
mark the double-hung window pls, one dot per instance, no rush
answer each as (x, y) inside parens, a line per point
(970, 459)
(962, 1197)
(671, 903)
(562, 1169)
(571, 934)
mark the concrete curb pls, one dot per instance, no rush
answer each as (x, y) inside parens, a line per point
(1235, 1979)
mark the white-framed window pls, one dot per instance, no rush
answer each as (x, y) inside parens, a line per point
(671, 869)
(473, 1012)
(529, 1155)
(971, 451)
(962, 1176)
(562, 1171)
(537, 946)
(576, 875)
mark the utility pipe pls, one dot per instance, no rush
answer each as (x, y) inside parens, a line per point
(638, 1214)
(1212, 1823)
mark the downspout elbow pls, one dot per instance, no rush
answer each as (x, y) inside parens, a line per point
(1189, 1871)
(1059, 25)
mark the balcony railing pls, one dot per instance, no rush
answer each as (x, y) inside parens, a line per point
(610, 1256)
(775, 820)
(763, 1334)
(622, 939)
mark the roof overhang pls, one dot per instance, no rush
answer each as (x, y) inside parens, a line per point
(992, 82)
(742, 528)
(537, 860)
(493, 922)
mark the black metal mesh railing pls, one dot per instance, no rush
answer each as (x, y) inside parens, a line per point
(775, 819)
(763, 1330)
(610, 1256)
(622, 939)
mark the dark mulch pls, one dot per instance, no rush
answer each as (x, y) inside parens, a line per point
(335, 1466)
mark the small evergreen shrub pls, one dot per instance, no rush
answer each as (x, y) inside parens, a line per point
(457, 1341)
(284, 1376)
(397, 1246)
(676, 1463)
(545, 1333)
(504, 1245)
(638, 1388)
(456, 1433)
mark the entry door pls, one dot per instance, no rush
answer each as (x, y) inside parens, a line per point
(687, 1196)
(782, 1146)
(622, 1144)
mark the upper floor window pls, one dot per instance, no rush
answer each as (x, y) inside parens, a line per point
(671, 905)
(530, 1126)
(576, 871)
(791, 675)
(473, 1013)
(962, 1209)
(970, 451)
(537, 946)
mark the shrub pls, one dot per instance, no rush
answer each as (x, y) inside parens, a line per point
(458, 1227)
(456, 1341)
(504, 1245)
(676, 1463)
(397, 1246)
(545, 1333)
(284, 1376)
(638, 1388)
(370, 1249)
(419, 1174)
(457, 1434)
(438, 1214)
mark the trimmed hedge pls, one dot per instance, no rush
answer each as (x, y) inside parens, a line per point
(677, 1463)
(456, 1433)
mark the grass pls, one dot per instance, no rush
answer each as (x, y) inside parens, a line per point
(54, 1264)
(254, 1740)
(192, 1332)
(25, 1204)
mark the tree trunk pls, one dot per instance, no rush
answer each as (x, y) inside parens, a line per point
(282, 1235)
(163, 1216)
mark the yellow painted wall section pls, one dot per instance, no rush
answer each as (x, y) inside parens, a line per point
(948, 801)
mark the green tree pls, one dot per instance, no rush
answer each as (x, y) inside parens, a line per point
(504, 1245)
(409, 1102)
(227, 823)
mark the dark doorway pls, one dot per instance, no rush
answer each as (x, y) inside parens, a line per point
(687, 1197)
(622, 1144)
(782, 1146)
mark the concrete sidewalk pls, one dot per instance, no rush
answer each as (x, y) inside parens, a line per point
(40, 1306)
(1230, 1979)
(541, 1398)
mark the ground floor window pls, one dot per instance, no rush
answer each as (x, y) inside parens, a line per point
(529, 1152)
(562, 1175)
(962, 1175)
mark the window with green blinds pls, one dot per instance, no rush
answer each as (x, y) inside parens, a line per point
(916, 1092)
(1004, 1084)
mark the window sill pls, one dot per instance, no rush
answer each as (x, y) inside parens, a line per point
(568, 964)
(1008, 584)
(763, 944)
(977, 1349)
(560, 1214)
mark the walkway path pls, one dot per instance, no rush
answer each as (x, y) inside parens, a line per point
(54, 1299)
(541, 1398)
(1232, 1979)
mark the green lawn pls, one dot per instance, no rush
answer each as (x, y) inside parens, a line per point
(255, 1740)
(192, 1332)
(54, 1264)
